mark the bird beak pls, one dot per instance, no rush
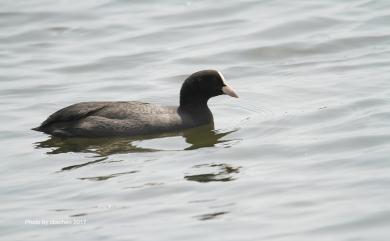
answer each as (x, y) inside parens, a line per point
(228, 90)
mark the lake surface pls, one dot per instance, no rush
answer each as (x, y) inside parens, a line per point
(302, 155)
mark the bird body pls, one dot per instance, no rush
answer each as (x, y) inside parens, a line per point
(130, 118)
(98, 119)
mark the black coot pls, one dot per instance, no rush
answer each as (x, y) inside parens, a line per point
(129, 118)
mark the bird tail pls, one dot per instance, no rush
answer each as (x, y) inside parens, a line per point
(37, 128)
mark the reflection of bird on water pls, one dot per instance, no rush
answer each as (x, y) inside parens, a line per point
(99, 146)
(222, 173)
(204, 136)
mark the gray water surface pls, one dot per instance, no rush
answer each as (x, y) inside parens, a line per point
(302, 155)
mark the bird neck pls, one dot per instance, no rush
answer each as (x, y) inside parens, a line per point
(193, 103)
(196, 110)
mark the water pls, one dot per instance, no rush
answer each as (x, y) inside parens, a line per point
(302, 155)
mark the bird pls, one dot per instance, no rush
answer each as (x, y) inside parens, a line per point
(134, 118)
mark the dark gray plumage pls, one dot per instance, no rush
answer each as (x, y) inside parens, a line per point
(103, 119)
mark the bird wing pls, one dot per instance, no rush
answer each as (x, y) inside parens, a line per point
(74, 112)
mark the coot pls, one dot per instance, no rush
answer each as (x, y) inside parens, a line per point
(129, 118)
